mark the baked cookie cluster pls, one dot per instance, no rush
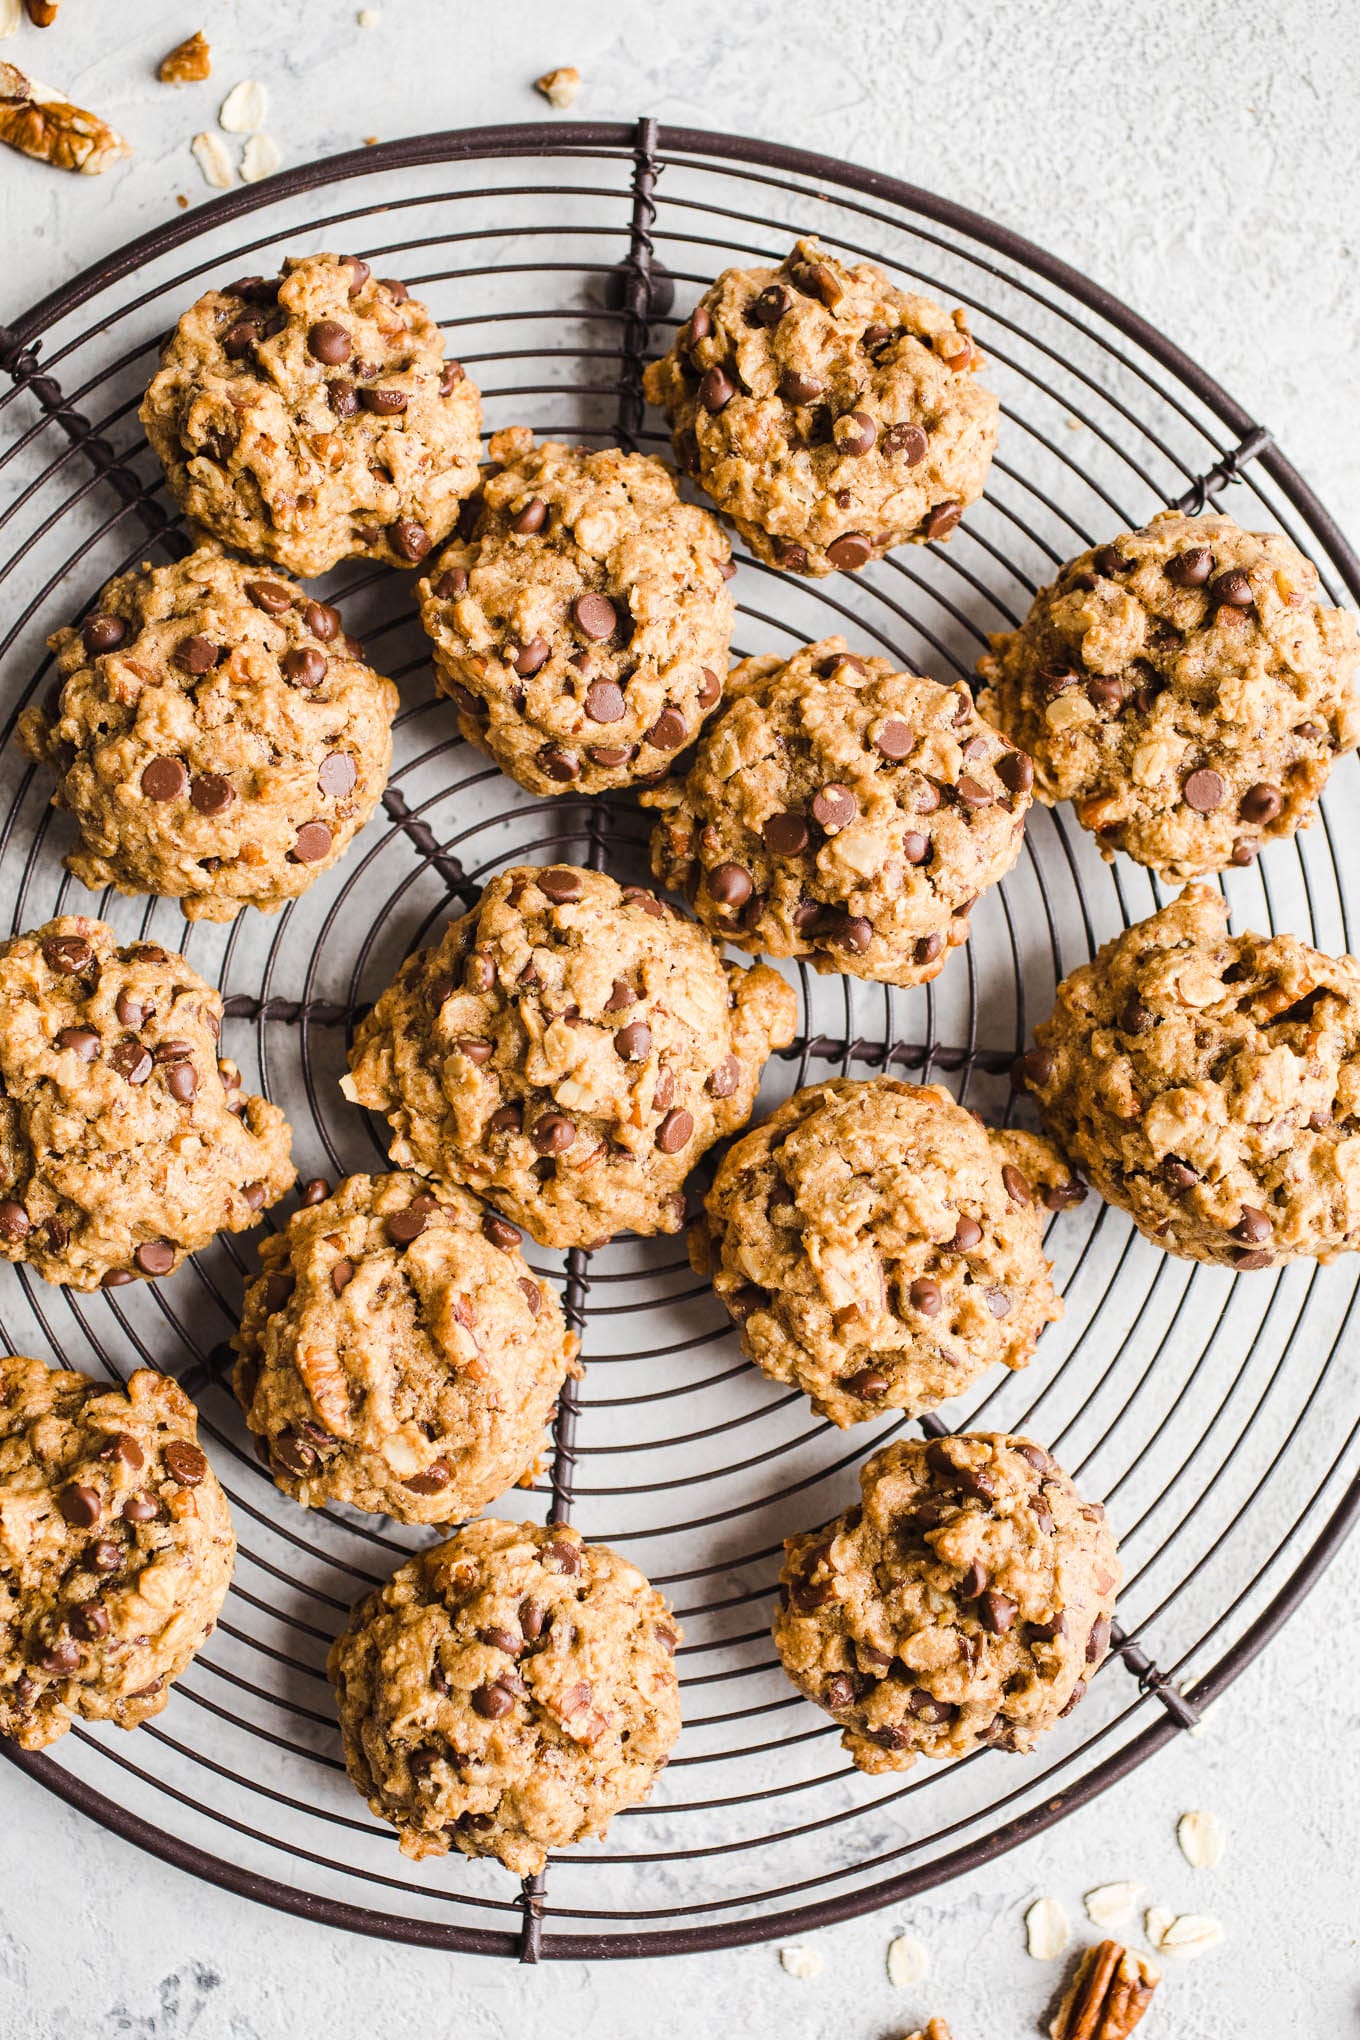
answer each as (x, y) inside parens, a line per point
(580, 621)
(828, 414)
(839, 810)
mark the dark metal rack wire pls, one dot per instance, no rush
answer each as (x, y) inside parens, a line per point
(1213, 1416)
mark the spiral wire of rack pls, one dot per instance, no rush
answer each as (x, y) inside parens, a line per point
(1212, 1413)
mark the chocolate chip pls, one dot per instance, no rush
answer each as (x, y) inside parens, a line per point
(998, 1303)
(621, 997)
(1254, 1227)
(942, 519)
(196, 655)
(181, 1081)
(164, 779)
(15, 1224)
(431, 1481)
(106, 1556)
(359, 273)
(839, 1692)
(531, 658)
(596, 618)
(80, 1506)
(855, 434)
(560, 883)
(384, 403)
(895, 739)
(716, 390)
(1015, 771)
(928, 948)
(868, 1384)
(675, 1131)
(1106, 691)
(506, 1119)
(500, 1233)
(102, 633)
(1098, 1641)
(908, 440)
(633, 1043)
(342, 1274)
(342, 396)
(559, 1556)
(1251, 1258)
(722, 1082)
(563, 766)
(1017, 1184)
(155, 1257)
(668, 732)
(604, 701)
(915, 846)
(533, 1295)
(967, 1233)
(312, 843)
(476, 1051)
(329, 343)
(277, 1290)
(304, 666)
(210, 793)
(973, 793)
(1204, 791)
(925, 1295)
(139, 1508)
(850, 551)
(834, 806)
(787, 835)
(409, 540)
(79, 1041)
(1260, 803)
(241, 338)
(789, 555)
(852, 932)
(1231, 590)
(730, 885)
(130, 1061)
(1190, 569)
(553, 1134)
(408, 1225)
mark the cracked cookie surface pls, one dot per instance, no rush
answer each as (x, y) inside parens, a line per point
(507, 1693)
(397, 1354)
(217, 740)
(312, 418)
(879, 1248)
(1210, 1085)
(843, 811)
(126, 1141)
(116, 1548)
(964, 1602)
(581, 620)
(568, 1050)
(1185, 687)
(829, 414)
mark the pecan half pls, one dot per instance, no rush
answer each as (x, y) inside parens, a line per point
(188, 62)
(41, 124)
(1108, 1995)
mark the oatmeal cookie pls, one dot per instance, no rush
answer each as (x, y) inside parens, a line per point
(840, 810)
(217, 738)
(965, 1601)
(829, 414)
(1185, 687)
(311, 418)
(568, 1050)
(397, 1354)
(126, 1142)
(116, 1548)
(581, 619)
(507, 1693)
(881, 1249)
(1210, 1084)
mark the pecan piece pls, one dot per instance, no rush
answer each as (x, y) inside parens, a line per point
(934, 2029)
(188, 63)
(1108, 1996)
(43, 125)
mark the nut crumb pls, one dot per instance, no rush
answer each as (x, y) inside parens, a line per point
(1182, 1934)
(245, 108)
(260, 157)
(1108, 1995)
(1047, 1932)
(1109, 1905)
(804, 1963)
(1201, 1840)
(561, 86)
(209, 151)
(42, 13)
(934, 2029)
(39, 122)
(188, 63)
(908, 1961)
(370, 141)
(182, 201)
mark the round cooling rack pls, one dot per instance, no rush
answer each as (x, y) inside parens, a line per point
(1214, 1414)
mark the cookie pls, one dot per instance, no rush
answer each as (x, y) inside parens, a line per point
(126, 1141)
(1185, 687)
(568, 1050)
(880, 1248)
(397, 1354)
(965, 1602)
(829, 414)
(507, 1693)
(1210, 1085)
(116, 1548)
(581, 619)
(843, 811)
(217, 738)
(311, 418)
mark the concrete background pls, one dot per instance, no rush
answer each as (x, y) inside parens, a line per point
(1203, 163)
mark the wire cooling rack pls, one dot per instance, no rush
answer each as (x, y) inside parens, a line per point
(1212, 1413)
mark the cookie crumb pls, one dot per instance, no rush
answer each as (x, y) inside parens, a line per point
(245, 108)
(182, 201)
(1201, 1840)
(188, 63)
(804, 1963)
(908, 1961)
(1047, 1932)
(559, 87)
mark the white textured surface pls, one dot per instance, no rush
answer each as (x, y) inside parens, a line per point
(1202, 163)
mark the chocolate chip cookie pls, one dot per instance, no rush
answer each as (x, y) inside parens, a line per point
(1185, 687)
(311, 418)
(568, 1050)
(840, 810)
(581, 619)
(829, 414)
(397, 1354)
(507, 1693)
(881, 1249)
(1210, 1085)
(217, 738)
(964, 1602)
(116, 1548)
(126, 1141)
